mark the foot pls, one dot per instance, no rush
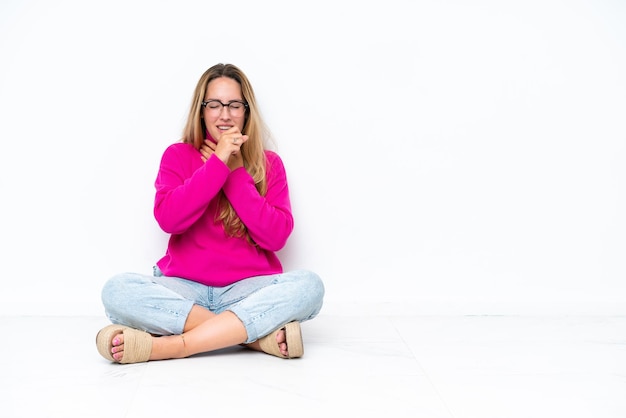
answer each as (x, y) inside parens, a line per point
(281, 340)
(162, 347)
(117, 347)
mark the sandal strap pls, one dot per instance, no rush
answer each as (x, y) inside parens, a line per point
(137, 344)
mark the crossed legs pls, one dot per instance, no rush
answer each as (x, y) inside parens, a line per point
(203, 331)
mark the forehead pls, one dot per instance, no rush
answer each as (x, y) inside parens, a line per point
(223, 88)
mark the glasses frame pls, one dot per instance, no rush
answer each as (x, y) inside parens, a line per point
(226, 105)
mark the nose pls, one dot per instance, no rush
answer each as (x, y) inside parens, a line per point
(225, 115)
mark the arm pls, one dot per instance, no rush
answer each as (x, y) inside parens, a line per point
(185, 187)
(268, 218)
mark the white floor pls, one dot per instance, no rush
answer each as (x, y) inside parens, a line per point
(452, 367)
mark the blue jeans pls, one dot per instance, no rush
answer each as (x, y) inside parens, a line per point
(160, 305)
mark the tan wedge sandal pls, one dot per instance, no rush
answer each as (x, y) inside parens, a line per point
(293, 336)
(137, 344)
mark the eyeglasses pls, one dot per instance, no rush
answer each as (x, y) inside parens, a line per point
(235, 107)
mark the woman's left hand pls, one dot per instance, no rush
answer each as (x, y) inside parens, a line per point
(235, 160)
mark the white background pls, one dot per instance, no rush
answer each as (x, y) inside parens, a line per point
(444, 157)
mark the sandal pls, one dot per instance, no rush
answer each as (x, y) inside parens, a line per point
(137, 344)
(293, 336)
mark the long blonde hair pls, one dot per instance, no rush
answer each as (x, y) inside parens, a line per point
(252, 151)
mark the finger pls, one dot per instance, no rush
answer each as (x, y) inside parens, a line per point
(229, 134)
(210, 144)
(239, 140)
(206, 150)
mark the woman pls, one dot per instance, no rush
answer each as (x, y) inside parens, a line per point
(224, 200)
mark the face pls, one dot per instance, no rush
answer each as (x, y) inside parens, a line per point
(219, 119)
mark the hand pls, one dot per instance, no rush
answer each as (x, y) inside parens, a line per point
(207, 149)
(228, 148)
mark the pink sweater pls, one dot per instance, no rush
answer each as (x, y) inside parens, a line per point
(186, 205)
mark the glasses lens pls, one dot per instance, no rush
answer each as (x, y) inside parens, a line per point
(236, 108)
(214, 106)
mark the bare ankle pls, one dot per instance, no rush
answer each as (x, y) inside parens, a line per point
(182, 337)
(168, 347)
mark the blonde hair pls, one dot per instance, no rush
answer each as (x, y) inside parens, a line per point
(252, 151)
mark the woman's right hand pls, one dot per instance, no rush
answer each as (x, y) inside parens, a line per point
(207, 149)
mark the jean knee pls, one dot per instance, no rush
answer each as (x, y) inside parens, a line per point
(315, 285)
(313, 289)
(113, 292)
(109, 290)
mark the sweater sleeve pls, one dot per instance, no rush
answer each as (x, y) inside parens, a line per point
(185, 186)
(268, 218)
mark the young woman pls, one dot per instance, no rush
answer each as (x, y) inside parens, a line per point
(224, 199)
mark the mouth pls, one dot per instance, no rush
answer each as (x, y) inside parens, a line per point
(224, 127)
